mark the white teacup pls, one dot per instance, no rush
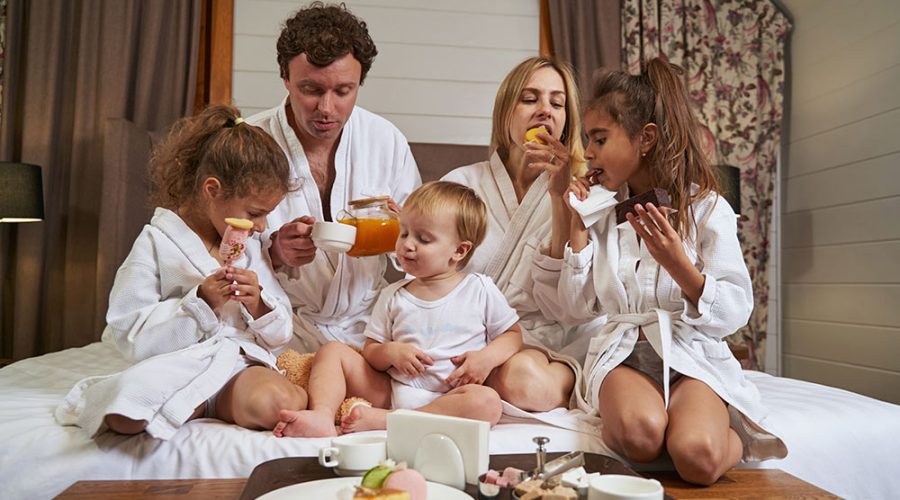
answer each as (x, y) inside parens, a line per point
(619, 487)
(333, 236)
(353, 455)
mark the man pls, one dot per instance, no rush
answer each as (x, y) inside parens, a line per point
(338, 152)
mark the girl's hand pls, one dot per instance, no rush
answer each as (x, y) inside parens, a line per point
(244, 286)
(474, 368)
(553, 158)
(660, 237)
(215, 289)
(408, 358)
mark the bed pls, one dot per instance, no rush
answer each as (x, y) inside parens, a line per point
(839, 441)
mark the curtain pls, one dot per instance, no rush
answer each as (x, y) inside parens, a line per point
(733, 52)
(70, 66)
(586, 34)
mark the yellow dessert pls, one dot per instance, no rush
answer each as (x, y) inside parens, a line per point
(531, 134)
(239, 223)
(380, 493)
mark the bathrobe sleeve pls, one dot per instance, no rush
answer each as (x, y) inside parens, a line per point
(275, 328)
(142, 321)
(564, 288)
(727, 298)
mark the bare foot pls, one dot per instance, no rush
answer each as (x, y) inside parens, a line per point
(364, 418)
(305, 423)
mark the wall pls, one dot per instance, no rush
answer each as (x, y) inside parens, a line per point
(841, 205)
(438, 68)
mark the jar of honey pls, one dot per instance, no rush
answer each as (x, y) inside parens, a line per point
(377, 227)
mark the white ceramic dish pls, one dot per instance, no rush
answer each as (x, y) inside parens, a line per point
(333, 236)
(342, 488)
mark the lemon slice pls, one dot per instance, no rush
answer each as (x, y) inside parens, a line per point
(531, 135)
(239, 223)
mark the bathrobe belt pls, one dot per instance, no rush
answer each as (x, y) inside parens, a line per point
(657, 326)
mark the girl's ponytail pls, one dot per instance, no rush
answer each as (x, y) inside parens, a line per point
(215, 143)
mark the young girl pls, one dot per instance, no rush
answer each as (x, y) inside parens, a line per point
(437, 336)
(672, 282)
(200, 331)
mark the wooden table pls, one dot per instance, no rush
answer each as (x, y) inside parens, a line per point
(736, 484)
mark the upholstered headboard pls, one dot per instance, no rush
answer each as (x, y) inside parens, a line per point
(435, 160)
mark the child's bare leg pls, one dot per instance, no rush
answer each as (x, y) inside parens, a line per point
(337, 370)
(254, 398)
(530, 381)
(699, 440)
(124, 425)
(470, 401)
(634, 414)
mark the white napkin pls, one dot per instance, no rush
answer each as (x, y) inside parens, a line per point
(591, 208)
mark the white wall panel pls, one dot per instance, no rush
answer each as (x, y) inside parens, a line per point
(841, 213)
(437, 71)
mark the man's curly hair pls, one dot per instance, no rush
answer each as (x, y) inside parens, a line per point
(325, 33)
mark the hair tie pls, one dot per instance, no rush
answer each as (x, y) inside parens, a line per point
(238, 120)
(231, 122)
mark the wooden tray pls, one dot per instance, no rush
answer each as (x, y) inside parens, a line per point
(281, 472)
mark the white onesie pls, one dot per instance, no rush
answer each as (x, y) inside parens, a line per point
(466, 319)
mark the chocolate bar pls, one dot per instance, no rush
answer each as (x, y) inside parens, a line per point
(658, 196)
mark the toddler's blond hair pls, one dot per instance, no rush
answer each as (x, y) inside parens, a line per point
(441, 196)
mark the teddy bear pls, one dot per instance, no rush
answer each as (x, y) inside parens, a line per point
(296, 368)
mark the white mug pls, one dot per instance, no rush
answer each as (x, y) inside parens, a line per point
(333, 236)
(353, 455)
(619, 487)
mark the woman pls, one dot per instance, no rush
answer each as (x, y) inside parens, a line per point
(537, 92)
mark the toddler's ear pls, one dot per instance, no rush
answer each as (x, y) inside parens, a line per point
(462, 250)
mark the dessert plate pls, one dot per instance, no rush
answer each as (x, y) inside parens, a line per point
(342, 488)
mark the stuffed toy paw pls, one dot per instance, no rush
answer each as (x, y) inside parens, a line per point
(296, 368)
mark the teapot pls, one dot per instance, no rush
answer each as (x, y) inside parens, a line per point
(377, 226)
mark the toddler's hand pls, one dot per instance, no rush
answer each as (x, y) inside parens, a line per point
(408, 359)
(246, 284)
(215, 289)
(474, 368)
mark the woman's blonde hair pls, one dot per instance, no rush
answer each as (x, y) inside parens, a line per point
(216, 143)
(443, 196)
(677, 160)
(508, 96)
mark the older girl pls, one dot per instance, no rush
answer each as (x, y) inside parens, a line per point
(673, 284)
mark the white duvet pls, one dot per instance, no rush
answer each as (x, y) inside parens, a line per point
(840, 441)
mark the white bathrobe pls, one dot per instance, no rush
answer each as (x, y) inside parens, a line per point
(605, 279)
(333, 295)
(184, 351)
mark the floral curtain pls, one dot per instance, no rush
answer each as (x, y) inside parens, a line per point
(733, 55)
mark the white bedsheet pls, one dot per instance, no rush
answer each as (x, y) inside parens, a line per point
(839, 441)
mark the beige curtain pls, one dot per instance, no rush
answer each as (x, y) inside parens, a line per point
(733, 52)
(587, 35)
(70, 66)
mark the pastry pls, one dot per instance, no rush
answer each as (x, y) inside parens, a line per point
(387, 478)
(532, 134)
(236, 233)
(380, 494)
(659, 197)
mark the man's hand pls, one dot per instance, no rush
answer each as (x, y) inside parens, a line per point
(292, 245)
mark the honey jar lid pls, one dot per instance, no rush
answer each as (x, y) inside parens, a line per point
(365, 202)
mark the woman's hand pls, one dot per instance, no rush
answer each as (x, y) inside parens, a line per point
(408, 358)
(553, 158)
(244, 286)
(474, 368)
